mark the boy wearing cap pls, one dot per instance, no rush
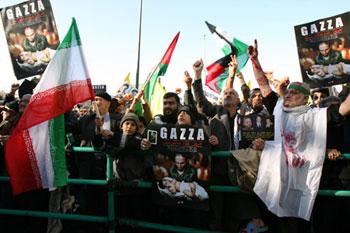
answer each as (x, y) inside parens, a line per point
(130, 165)
(185, 116)
(129, 161)
(318, 94)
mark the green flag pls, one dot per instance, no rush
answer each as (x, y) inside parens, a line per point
(160, 70)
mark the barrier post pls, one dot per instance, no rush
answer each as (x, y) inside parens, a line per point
(110, 195)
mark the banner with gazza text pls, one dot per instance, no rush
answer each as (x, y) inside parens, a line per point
(31, 35)
(324, 50)
(181, 165)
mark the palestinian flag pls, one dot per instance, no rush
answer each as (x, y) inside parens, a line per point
(159, 70)
(216, 71)
(217, 74)
(35, 155)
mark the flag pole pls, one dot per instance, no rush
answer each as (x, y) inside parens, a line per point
(227, 41)
(150, 75)
(139, 48)
(212, 28)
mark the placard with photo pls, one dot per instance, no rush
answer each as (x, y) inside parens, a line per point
(181, 166)
(324, 50)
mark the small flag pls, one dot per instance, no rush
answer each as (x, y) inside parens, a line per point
(127, 79)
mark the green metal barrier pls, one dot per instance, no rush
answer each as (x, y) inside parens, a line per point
(110, 195)
(229, 154)
(111, 220)
(163, 227)
(235, 189)
(40, 214)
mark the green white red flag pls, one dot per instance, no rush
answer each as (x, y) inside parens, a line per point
(35, 155)
(151, 83)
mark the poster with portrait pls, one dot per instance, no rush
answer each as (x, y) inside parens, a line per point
(324, 50)
(125, 94)
(181, 165)
(124, 89)
(255, 126)
(31, 35)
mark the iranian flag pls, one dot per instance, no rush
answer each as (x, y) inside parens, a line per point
(160, 69)
(35, 155)
(217, 72)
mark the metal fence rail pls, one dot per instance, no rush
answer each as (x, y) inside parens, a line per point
(110, 219)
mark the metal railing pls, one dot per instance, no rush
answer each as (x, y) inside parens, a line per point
(112, 221)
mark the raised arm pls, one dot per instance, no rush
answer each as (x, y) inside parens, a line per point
(146, 108)
(244, 87)
(188, 96)
(135, 100)
(259, 74)
(208, 108)
(232, 68)
(281, 85)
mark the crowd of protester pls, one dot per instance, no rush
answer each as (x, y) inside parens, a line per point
(111, 126)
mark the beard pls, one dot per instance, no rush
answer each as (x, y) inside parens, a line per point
(170, 118)
(258, 108)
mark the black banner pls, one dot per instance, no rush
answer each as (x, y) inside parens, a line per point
(31, 35)
(255, 126)
(324, 50)
(181, 165)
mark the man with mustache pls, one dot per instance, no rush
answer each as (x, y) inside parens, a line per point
(229, 210)
(171, 104)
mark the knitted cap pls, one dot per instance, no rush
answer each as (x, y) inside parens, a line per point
(132, 117)
(189, 111)
(303, 88)
(323, 90)
(104, 95)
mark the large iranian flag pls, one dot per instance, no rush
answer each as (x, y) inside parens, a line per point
(35, 155)
(153, 90)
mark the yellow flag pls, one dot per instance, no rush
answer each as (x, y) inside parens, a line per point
(127, 78)
(249, 84)
(156, 99)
